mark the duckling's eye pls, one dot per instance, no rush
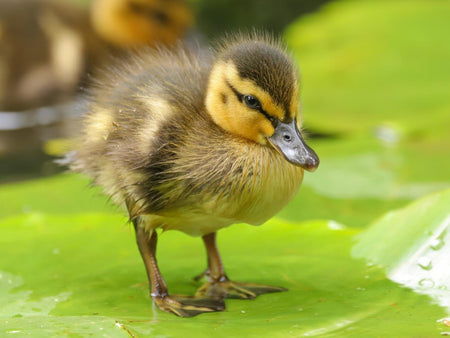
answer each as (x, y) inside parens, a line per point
(252, 102)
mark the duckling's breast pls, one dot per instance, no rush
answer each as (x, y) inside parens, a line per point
(220, 179)
(277, 185)
(217, 185)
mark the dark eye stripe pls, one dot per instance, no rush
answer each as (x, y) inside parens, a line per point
(240, 97)
(153, 14)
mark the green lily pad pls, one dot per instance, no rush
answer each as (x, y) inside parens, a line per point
(81, 274)
(361, 178)
(375, 64)
(65, 193)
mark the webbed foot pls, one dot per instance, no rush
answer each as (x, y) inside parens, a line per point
(235, 290)
(184, 306)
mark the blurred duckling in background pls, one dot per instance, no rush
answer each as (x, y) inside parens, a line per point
(42, 55)
(131, 23)
(48, 46)
(195, 142)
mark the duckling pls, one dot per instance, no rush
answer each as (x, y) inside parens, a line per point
(194, 141)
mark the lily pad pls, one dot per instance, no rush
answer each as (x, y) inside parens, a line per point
(80, 274)
(65, 193)
(361, 178)
(375, 64)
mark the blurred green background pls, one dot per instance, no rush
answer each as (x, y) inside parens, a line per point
(375, 84)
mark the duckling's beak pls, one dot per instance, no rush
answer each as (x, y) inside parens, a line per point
(288, 140)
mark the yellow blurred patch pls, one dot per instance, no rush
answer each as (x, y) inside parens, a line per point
(58, 146)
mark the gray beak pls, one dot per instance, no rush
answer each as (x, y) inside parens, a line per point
(288, 140)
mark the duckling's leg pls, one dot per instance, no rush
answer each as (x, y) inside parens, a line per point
(219, 286)
(182, 306)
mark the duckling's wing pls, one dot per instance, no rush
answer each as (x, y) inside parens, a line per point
(139, 117)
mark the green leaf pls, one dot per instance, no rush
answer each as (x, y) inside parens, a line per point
(64, 194)
(361, 178)
(80, 274)
(375, 65)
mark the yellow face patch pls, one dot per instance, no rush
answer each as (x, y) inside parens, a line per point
(232, 114)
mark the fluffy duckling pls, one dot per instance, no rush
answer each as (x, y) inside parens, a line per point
(195, 142)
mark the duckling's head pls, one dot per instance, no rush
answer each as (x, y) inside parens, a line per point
(129, 23)
(253, 92)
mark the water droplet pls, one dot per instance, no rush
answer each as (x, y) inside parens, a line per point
(424, 263)
(387, 134)
(445, 333)
(436, 243)
(442, 287)
(444, 320)
(360, 288)
(242, 311)
(426, 283)
(333, 225)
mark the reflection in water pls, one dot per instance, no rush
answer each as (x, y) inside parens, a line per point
(23, 136)
(42, 116)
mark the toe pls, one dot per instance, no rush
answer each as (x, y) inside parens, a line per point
(235, 290)
(183, 306)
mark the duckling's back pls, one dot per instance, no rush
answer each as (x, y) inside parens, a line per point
(141, 107)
